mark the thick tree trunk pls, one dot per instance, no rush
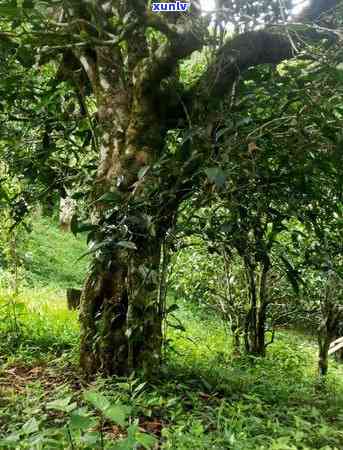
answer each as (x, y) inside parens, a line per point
(121, 314)
(144, 319)
(121, 324)
(104, 304)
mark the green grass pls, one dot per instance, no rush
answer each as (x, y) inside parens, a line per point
(204, 398)
(54, 257)
(36, 325)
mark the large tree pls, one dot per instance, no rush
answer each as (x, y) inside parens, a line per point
(154, 130)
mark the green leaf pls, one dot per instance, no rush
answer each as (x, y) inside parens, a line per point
(109, 197)
(85, 227)
(127, 244)
(93, 249)
(146, 440)
(216, 175)
(97, 400)
(10, 440)
(116, 413)
(142, 172)
(3, 194)
(91, 439)
(77, 195)
(80, 420)
(31, 426)
(25, 56)
(177, 326)
(138, 389)
(28, 4)
(80, 227)
(62, 405)
(9, 11)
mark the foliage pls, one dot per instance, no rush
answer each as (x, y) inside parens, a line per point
(203, 399)
(46, 248)
(80, 430)
(261, 198)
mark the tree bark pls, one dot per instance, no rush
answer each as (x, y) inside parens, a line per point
(255, 325)
(121, 324)
(66, 212)
(144, 321)
(103, 344)
(326, 335)
(339, 333)
(121, 328)
(236, 339)
(250, 337)
(255, 332)
(324, 344)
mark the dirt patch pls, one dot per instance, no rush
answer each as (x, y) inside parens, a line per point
(17, 378)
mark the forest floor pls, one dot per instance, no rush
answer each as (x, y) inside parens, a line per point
(204, 398)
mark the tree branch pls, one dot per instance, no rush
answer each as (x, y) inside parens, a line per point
(252, 49)
(182, 42)
(237, 55)
(315, 9)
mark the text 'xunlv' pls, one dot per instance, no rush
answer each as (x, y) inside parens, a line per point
(173, 6)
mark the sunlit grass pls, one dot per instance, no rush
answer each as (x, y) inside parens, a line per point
(37, 324)
(54, 258)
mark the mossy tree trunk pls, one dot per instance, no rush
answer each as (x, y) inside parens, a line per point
(120, 314)
(121, 323)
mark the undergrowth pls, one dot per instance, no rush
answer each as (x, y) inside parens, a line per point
(204, 397)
